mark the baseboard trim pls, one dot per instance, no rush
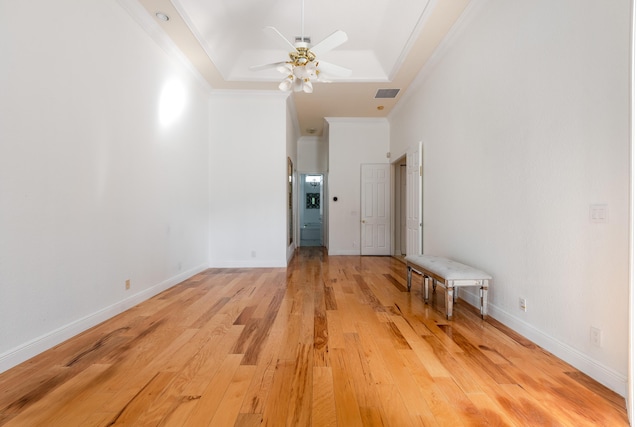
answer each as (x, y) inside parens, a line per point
(579, 360)
(248, 264)
(344, 252)
(44, 342)
(291, 250)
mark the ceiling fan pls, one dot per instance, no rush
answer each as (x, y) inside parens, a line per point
(303, 65)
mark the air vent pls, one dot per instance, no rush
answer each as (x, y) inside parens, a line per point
(387, 93)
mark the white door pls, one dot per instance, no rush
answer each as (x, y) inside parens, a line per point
(375, 209)
(414, 199)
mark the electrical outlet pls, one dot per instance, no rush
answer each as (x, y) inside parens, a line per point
(596, 337)
(127, 284)
(523, 304)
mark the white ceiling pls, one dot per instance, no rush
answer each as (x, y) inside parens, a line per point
(389, 42)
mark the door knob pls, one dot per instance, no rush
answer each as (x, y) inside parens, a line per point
(363, 221)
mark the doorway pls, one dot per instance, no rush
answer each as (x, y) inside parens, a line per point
(311, 208)
(408, 202)
(400, 207)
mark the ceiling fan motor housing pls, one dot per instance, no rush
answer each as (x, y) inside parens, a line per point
(303, 39)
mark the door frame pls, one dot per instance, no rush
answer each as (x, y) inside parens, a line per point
(396, 163)
(415, 196)
(399, 207)
(300, 176)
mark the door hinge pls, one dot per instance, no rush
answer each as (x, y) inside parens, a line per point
(420, 170)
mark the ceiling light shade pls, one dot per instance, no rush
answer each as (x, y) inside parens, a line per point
(300, 73)
(297, 85)
(307, 87)
(285, 85)
(312, 70)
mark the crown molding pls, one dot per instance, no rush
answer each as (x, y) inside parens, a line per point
(457, 30)
(251, 93)
(360, 120)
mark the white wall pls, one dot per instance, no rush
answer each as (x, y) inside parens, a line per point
(313, 154)
(525, 121)
(94, 189)
(352, 142)
(248, 179)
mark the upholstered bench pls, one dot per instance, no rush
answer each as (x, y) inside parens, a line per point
(450, 275)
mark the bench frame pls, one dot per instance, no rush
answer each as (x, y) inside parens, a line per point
(430, 279)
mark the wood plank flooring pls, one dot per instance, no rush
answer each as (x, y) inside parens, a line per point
(327, 341)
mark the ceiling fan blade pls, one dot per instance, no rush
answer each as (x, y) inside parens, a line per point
(333, 70)
(277, 35)
(266, 66)
(331, 42)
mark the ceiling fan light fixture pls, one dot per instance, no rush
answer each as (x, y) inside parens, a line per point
(302, 67)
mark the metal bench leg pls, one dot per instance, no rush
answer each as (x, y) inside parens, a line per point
(448, 300)
(484, 290)
(427, 288)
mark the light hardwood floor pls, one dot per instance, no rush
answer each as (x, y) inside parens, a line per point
(327, 341)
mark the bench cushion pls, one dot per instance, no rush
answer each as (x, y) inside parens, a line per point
(446, 268)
